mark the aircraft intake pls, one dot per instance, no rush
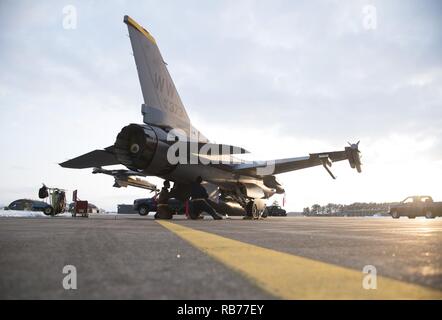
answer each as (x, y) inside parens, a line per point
(135, 146)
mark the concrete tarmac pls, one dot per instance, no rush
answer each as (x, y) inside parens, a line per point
(134, 257)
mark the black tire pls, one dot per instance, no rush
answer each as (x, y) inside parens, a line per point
(49, 211)
(411, 217)
(249, 210)
(395, 214)
(429, 214)
(265, 213)
(143, 210)
(255, 212)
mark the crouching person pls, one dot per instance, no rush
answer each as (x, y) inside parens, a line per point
(199, 201)
(163, 211)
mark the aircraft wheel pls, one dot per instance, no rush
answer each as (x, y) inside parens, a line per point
(255, 212)
(429, 215)
(395, 215)
(265, 213)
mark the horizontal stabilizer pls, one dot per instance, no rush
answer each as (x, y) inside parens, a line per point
(96, 158)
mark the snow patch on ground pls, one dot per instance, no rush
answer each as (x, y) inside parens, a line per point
(28, 214)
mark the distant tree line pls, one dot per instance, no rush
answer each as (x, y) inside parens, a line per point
(354, 209)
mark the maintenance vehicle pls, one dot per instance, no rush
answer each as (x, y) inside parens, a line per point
(417, 206)
(275, 211)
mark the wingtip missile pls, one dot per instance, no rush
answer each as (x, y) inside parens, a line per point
(353, 155)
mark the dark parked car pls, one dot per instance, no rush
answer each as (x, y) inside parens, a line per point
(416, 206)
(274, 211)
(146, 205)
(31, 205)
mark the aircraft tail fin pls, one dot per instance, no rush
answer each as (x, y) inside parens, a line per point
(162, 104)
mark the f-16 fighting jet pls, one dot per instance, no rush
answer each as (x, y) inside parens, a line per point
(166, 145)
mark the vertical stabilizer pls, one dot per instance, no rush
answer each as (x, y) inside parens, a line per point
(162, 104)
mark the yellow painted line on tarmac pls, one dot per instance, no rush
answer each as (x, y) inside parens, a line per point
(289, 276)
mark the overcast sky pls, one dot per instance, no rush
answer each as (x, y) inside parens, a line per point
(280, 78)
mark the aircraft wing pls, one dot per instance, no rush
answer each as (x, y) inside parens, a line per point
(264, 168)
